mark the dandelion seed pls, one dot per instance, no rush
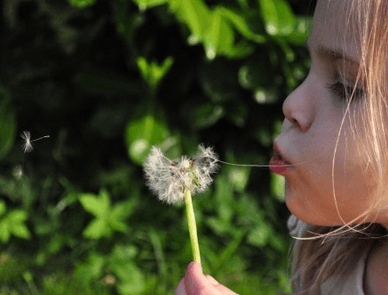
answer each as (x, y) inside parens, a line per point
(27, 145)
(17, 171)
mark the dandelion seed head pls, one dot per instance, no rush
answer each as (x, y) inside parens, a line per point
(169, 179)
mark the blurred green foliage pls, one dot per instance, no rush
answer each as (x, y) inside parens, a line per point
(110, 79)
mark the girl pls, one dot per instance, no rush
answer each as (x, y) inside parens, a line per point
(333, 153)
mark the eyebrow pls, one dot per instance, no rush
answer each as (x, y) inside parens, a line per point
(332, 54)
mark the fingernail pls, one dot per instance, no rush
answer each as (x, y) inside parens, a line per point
(212, 280)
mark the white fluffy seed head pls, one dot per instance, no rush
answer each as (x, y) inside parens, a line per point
(169, 179)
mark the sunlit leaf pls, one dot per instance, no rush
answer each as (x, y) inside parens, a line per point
(277, 186)
(142, 134)
(194, 13)
(4, 232)
(278, 17)
(144, 4)
(20, 230)
(301, 31)
(17, 216)
(219, 36)
(123, 210)
(97, 205)
(241, 25)
(152, 72)
(97, 229)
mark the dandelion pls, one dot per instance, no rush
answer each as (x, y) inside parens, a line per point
(169, 179)
(175, 182)
(27, 144)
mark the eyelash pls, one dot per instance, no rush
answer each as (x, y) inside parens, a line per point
(344, 92)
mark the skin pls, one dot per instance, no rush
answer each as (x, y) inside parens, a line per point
(314, 114)
(313, 117)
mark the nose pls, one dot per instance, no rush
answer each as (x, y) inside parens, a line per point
(298, 107)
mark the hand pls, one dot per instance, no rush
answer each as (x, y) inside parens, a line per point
(196, 283)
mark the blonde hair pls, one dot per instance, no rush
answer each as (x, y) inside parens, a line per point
(332, 252)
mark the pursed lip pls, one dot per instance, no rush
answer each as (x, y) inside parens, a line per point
(277, 151)
(279, 164)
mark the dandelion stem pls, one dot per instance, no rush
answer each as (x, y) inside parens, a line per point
(192, 226)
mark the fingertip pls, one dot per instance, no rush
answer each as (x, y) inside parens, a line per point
(195, 280)
(194, 267)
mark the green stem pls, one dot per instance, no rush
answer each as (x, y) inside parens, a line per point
(192, 226)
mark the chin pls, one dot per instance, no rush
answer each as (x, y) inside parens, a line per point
(301, 208)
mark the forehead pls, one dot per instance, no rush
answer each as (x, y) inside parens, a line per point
(334, 27)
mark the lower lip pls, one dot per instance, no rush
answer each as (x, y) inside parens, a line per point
(279, 166)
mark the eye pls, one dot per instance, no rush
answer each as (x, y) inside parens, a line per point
(345, 92)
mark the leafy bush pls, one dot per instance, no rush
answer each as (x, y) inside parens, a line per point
(107, 80)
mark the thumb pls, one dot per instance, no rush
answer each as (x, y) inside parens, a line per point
(199, 284)
(222, 289)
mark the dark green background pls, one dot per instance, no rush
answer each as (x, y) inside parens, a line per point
(109, 79)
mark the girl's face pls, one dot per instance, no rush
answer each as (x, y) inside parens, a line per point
(314, 114)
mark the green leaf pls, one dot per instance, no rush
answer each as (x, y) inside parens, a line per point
(142, 134)
(153, 73)
(81, 3)
(7, 122)
(241, 25)
(206, 115)
(144, 4)
(238, 176)
(277, 186)
(17, 216)
(91, 269)
(260, 236)
(195, 14)
(97, 229)
(122, 253)
(123, 209)
(99, 206)
(301, 31)
(131, 284)
(4, 231)
(20, 230)
(131, 278)
(278, 17)
(219, 37)
(3, 207)
(116, 224)
(13, 223)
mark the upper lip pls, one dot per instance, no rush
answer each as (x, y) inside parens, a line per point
(277, 151)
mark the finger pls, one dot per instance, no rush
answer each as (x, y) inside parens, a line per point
(222, 289)
(194, 279)
(180, 289)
